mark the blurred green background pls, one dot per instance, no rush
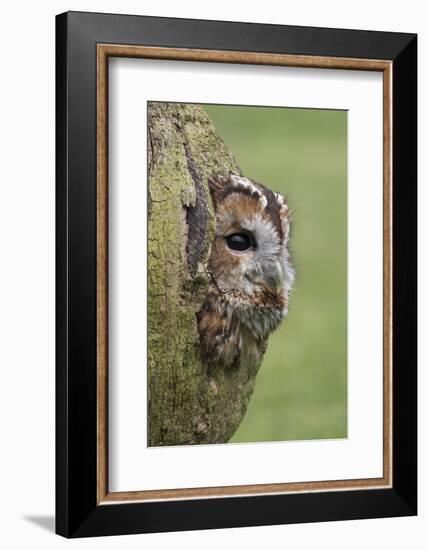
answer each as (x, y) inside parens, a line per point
(301, 388)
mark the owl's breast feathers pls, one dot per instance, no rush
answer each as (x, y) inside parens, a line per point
(233, 329)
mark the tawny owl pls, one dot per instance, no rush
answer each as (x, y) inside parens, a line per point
(250, 272)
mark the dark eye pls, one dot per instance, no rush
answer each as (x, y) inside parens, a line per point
(239, 241)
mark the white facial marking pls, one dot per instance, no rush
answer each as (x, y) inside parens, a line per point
(265, 233)
(263, 201)
(244, 182)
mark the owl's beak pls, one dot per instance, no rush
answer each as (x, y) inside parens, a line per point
(271, 278)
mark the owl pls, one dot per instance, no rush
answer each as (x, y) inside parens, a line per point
(250, 272)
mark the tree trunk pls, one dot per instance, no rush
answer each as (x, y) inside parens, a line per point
(189, 401)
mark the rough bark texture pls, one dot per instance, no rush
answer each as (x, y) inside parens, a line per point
(189, 402)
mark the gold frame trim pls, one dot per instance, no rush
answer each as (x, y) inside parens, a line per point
(104, 51)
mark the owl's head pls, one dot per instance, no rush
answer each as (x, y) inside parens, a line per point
(250, 259)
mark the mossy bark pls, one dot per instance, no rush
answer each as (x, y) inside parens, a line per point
(189, 402)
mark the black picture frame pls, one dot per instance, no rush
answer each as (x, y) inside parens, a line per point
(77, 511)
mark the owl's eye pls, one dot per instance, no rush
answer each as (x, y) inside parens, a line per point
(239, 241)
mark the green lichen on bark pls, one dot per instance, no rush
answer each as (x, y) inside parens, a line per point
(189, 402)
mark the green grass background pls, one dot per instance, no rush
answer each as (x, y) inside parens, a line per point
(301, 388)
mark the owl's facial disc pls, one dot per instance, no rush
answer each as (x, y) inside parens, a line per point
(249, 255)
